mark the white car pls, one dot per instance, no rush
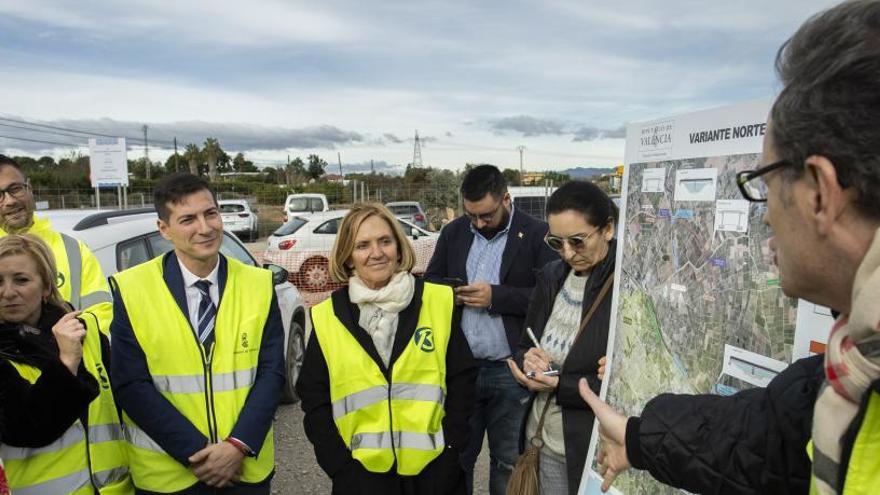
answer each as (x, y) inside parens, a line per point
(122, 239)
(297, 204)
(302, 246)
(239, 218)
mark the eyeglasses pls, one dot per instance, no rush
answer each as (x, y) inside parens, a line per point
(576, 242)
(485, 217)
(752, 187)
(16, 189)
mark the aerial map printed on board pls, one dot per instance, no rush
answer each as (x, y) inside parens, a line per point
(698, 301)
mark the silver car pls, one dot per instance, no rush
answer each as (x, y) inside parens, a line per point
(411, 211)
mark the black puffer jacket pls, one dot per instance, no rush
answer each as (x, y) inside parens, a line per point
(35, 415)
(583, 357)
(748, 443)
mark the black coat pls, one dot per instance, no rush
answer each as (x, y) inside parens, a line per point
(35, 415)
(524, 254)
(583, 357)
(442, 476)
(751, 442)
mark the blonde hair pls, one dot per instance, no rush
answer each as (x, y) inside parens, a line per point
(37, 250)
(343, 246)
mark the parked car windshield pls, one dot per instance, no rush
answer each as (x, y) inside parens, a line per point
(291, 227)
(305, 204)
(403, 209)
(231, 208)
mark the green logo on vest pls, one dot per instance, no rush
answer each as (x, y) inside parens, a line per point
(59, 280)
(424, 339)
(244, 342)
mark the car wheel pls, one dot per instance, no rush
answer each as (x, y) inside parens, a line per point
(293, 360)
(314, 274)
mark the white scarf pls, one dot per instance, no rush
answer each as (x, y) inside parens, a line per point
(852, 363)
(379, 308)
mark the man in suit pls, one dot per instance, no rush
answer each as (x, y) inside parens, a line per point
(197, 356)
(494, 251)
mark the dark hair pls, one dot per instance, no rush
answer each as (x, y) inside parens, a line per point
(586, 198)
(830, 102)
(482, 180)
(173, 188)
(5, 160)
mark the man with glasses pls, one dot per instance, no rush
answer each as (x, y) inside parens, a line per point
(80, 278)
(491, 255)
(816, 427)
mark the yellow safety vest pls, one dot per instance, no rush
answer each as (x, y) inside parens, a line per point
(208, 389)
(80, 278)
(384, 422)
(82, 459)
(863, 470)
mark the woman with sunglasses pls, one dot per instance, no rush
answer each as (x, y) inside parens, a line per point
(554, 353)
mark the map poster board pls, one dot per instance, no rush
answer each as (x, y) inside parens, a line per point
(108, 163)
(697, 301)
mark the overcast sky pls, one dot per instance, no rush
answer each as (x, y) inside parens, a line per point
(477, 79)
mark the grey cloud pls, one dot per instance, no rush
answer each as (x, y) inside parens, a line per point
(588, 133)
(394, 139)
(528, 126)
(232, 137)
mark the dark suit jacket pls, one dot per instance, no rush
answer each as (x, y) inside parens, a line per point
(135, 393)
(524, 255)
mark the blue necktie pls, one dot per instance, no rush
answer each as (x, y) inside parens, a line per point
(207, 313)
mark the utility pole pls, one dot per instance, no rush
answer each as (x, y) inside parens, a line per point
(521, 148)
(146, 153)
(339, 159)
(372, 168)
(176, 165)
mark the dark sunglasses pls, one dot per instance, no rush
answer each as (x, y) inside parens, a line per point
(576, 242)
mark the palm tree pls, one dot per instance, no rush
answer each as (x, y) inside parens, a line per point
(193, 155)
(212, 154)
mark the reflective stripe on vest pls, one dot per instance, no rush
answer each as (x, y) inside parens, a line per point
(70, 483)
(400, 391)
(398, 423)
(195, 384)
(209, 393)
(65, 463)
(74, 263)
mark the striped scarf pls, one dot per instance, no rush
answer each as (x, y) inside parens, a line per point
(852, 363)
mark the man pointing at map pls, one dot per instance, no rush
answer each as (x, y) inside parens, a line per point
(816, 426)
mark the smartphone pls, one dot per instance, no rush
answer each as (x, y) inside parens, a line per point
(453, 282)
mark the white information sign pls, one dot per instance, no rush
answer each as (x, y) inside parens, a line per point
(108, 163)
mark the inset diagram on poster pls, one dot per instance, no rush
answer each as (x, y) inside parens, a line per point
(695, 184)
(750, 367)
(653, 180)
(732, 215)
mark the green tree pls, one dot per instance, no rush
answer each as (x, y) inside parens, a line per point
(212, 155)
(316, 167)
(242, 164)
(193, 156)
(174, 162)
(511, 176)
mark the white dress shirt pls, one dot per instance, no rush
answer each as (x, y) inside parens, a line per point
(194, 296)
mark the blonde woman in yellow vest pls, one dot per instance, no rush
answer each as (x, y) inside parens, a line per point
(198, 360)
(60, 426)
(387, 381)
